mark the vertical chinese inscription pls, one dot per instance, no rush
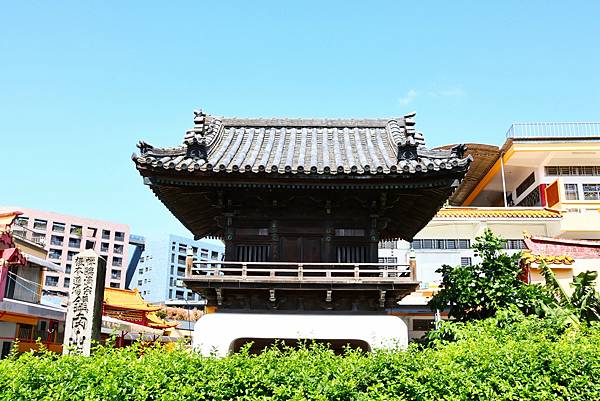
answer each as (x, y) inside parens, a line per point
(84, 313)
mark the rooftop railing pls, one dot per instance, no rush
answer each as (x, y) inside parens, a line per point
(299, 272)
(554, 130)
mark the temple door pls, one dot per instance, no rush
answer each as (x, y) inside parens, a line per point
(301, 249)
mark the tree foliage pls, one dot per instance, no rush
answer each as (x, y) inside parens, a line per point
(478, 291)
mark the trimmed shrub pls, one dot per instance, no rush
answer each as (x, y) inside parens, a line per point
(510, 357)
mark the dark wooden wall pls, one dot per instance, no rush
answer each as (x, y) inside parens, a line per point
(301, 226)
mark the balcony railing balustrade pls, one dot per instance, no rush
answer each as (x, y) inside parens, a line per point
(299, 272)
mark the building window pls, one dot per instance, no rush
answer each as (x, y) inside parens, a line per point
(52, 281)
(90, 244)
(40, 224)
(441, 244)
(179, 294)
(104, 247)
(181, 259)
(181, 271)
(140, 282)
(182, 248)
(74, 242)
(71, 255)
(67, 282)
(591, 191)
(514, 244)
(464, 244)
(214, 255)
(465, 261)
(25, 331)
(22, 221)
(423, 324)
(118, 249)
(114, 285)
(76, 230)
(56, 240)
(571, 192)
(388, 260)
(529, 181)
(105, 234)
(55, 253)
(141, 271)
(119, 236)
(116, 261)
(572, 170)
(115, 274)
(58, 227)
(170, 294)
(67, 269)
(532, 199)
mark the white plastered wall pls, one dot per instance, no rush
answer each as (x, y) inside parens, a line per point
(215, 333)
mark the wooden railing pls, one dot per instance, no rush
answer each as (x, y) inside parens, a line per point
(292, 271)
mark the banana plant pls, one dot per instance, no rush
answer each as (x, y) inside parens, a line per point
(583, 305)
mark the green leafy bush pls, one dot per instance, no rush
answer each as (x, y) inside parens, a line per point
(509, 357)
(478, 291)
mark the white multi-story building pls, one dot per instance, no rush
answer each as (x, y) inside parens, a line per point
(162, 266)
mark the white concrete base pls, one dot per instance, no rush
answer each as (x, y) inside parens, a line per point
(215, 333)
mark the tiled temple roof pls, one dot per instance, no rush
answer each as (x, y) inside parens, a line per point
(302, 146)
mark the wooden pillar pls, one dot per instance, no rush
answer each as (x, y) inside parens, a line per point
(373, 240)
(274, 233)
(229, 236)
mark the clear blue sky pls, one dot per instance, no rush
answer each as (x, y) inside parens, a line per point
(82, 82)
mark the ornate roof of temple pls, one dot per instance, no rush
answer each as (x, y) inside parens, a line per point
(302, 146)
(129, 305)
(386, 159)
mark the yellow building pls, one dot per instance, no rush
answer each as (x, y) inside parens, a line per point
(554, 165)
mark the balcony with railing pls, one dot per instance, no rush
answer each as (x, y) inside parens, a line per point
(250, 274)
(29, 235)
(296, 286)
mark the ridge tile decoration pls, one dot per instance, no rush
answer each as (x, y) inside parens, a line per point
(302, 146)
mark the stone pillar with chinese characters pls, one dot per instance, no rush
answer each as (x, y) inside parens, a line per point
(84, 313)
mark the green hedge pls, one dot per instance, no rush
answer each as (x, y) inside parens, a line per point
(505, 358)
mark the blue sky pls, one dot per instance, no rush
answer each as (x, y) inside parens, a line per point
(82, 82)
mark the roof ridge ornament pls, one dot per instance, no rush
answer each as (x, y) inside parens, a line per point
(195, 138)
(405, 137)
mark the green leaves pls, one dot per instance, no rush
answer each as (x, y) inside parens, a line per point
(479, 291)
(509, 357)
